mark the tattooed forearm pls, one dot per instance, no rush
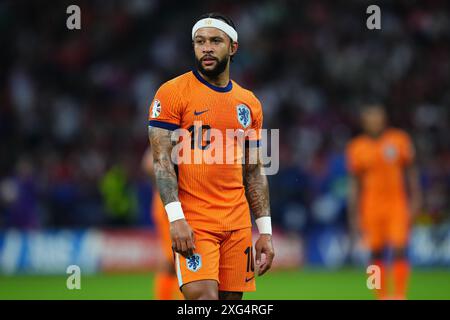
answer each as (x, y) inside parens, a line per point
(257, 190)
(166, 179)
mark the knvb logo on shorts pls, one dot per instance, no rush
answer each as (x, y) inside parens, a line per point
(194, 262)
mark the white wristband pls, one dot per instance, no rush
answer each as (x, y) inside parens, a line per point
(174, 211)
(264, 225)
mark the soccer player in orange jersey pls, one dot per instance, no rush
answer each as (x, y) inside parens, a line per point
(208, 204)
(379, 160)
(166, 283)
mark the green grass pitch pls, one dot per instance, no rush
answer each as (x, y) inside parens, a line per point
(306, 283)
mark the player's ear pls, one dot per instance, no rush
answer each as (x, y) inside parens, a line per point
(233, 48)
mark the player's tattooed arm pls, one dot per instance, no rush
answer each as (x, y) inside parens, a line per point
(163, 167)
(161, 142)
(257, 193)
(256, 190)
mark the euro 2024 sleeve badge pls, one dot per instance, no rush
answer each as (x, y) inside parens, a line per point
(156, 108)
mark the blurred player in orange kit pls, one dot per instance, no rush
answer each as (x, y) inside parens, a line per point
(208, 204)
(166, 283)
(379, 160)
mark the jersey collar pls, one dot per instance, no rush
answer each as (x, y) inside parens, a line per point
(215, 88)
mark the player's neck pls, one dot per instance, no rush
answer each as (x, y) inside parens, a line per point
(221, 80)
(375, 135)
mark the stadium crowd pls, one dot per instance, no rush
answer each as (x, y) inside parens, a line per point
(74, 103)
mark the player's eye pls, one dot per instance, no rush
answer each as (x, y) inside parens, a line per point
(199, 41)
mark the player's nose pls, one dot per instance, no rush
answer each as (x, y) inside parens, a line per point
(207, 47)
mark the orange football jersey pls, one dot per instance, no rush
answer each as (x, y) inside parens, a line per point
(380, 164)
(212, 195)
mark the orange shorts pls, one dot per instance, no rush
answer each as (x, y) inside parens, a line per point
(380, 230)
(162, 226)
(226, 257)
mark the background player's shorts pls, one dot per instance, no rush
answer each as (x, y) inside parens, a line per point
(162, 226)
(380, 230)
(226, 257)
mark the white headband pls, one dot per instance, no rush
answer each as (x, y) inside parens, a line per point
(215, 23)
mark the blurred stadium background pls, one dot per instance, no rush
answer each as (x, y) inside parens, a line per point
(73, 128)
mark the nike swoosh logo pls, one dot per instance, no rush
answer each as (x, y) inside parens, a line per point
(248, 279)
(200, 112)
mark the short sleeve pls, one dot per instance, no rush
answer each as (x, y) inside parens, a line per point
(353, 160)
(166, 108)
(407, 150)
(253, 133)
